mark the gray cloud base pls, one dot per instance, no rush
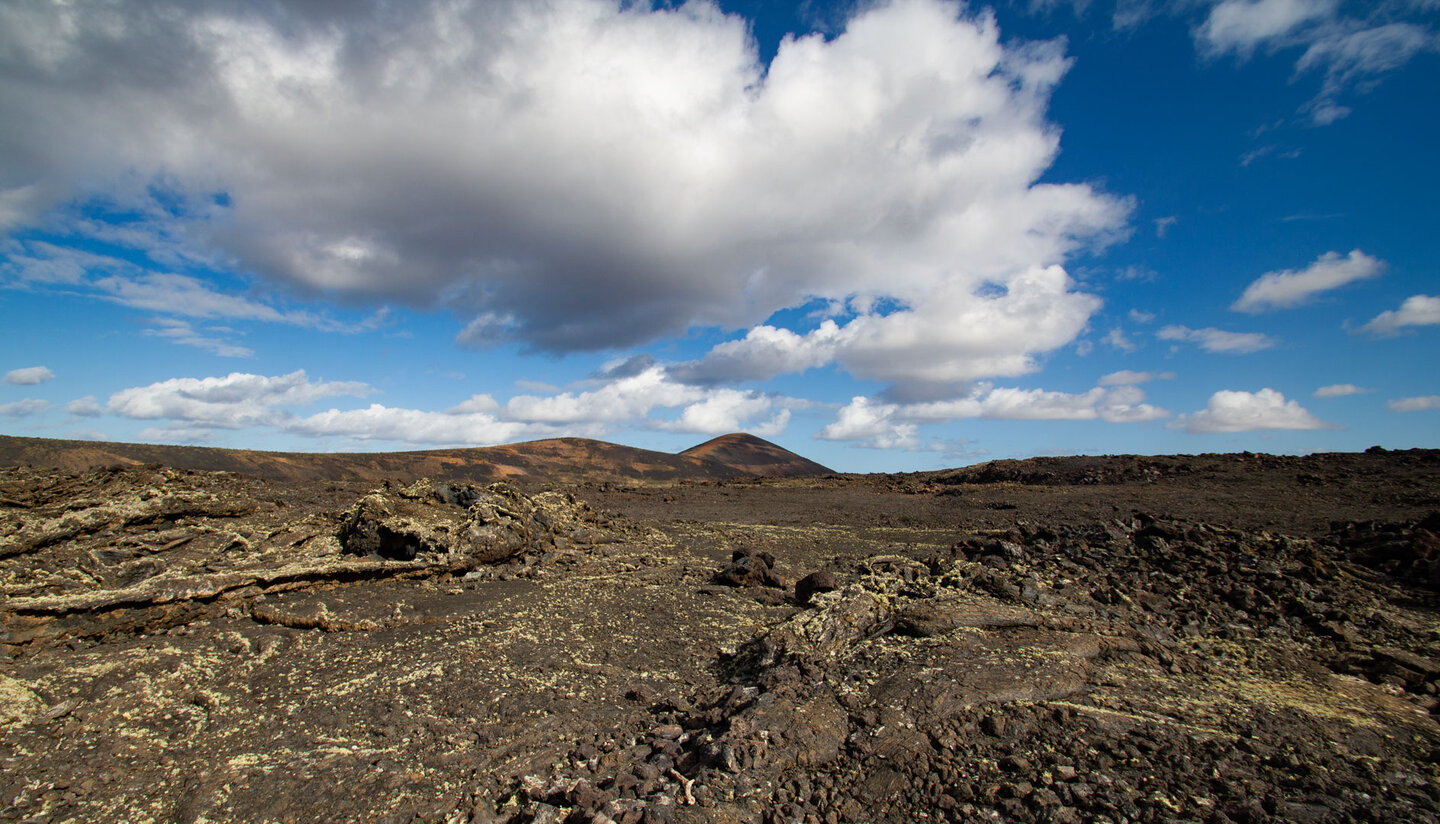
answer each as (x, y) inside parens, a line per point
(573, 175)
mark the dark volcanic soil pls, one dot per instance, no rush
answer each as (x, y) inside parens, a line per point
(1210, 638)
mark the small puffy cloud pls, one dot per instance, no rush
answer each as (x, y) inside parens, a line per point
(482, 403)
(1142, 317)
(1125, 404)
(632, 396)
(625, 399)
(29, 376)
(1126, 377)
(1242, 25)
(1417, 310)
(1117, 339)
(1163, 224)
(764, 353)
(1283, 289)
(1218, 340)
(86, 407)
(871, 424)
(1237, 411)
(1340, 390)
(1420, 404)
(23, 408)
(235, 401)
(730, 410)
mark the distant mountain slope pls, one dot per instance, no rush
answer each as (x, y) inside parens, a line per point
(749, 455)
(559, 460)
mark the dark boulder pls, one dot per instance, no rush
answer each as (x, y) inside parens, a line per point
(750, 568)
(821, 581)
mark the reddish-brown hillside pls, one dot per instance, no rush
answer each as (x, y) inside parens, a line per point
(559, 460)
(750, 455)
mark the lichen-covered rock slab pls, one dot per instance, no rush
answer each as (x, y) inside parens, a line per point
(483, 525)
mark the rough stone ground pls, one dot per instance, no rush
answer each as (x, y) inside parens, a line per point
(1210, 638)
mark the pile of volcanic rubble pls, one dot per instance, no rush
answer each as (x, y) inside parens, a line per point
(968, 686)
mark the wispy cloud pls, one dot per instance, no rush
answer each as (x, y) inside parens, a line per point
(1421, 404)
(1126, 377)
(1340, 390)
(1292, 287)
(1218, 340)
(1268, 151)
(1350, 52)
(86, 407)
(23, 408)
(183, 333)
(1241, 26)
(1141, 317)
(179, 298)
(1117, 339)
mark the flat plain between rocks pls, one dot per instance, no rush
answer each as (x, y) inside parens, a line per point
(1195, 638)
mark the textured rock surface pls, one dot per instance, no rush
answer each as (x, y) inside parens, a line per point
(479, 525)
(1180, 646)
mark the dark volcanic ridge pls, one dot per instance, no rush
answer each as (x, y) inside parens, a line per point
(556, 461)
(1071, 470)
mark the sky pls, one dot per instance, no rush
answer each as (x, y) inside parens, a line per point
(889, 236)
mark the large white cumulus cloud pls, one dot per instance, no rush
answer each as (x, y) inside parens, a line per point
(572, 174)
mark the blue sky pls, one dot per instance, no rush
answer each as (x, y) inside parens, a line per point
(888, 236)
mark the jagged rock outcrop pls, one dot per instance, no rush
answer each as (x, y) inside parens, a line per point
(136, 549)
(482, 525)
